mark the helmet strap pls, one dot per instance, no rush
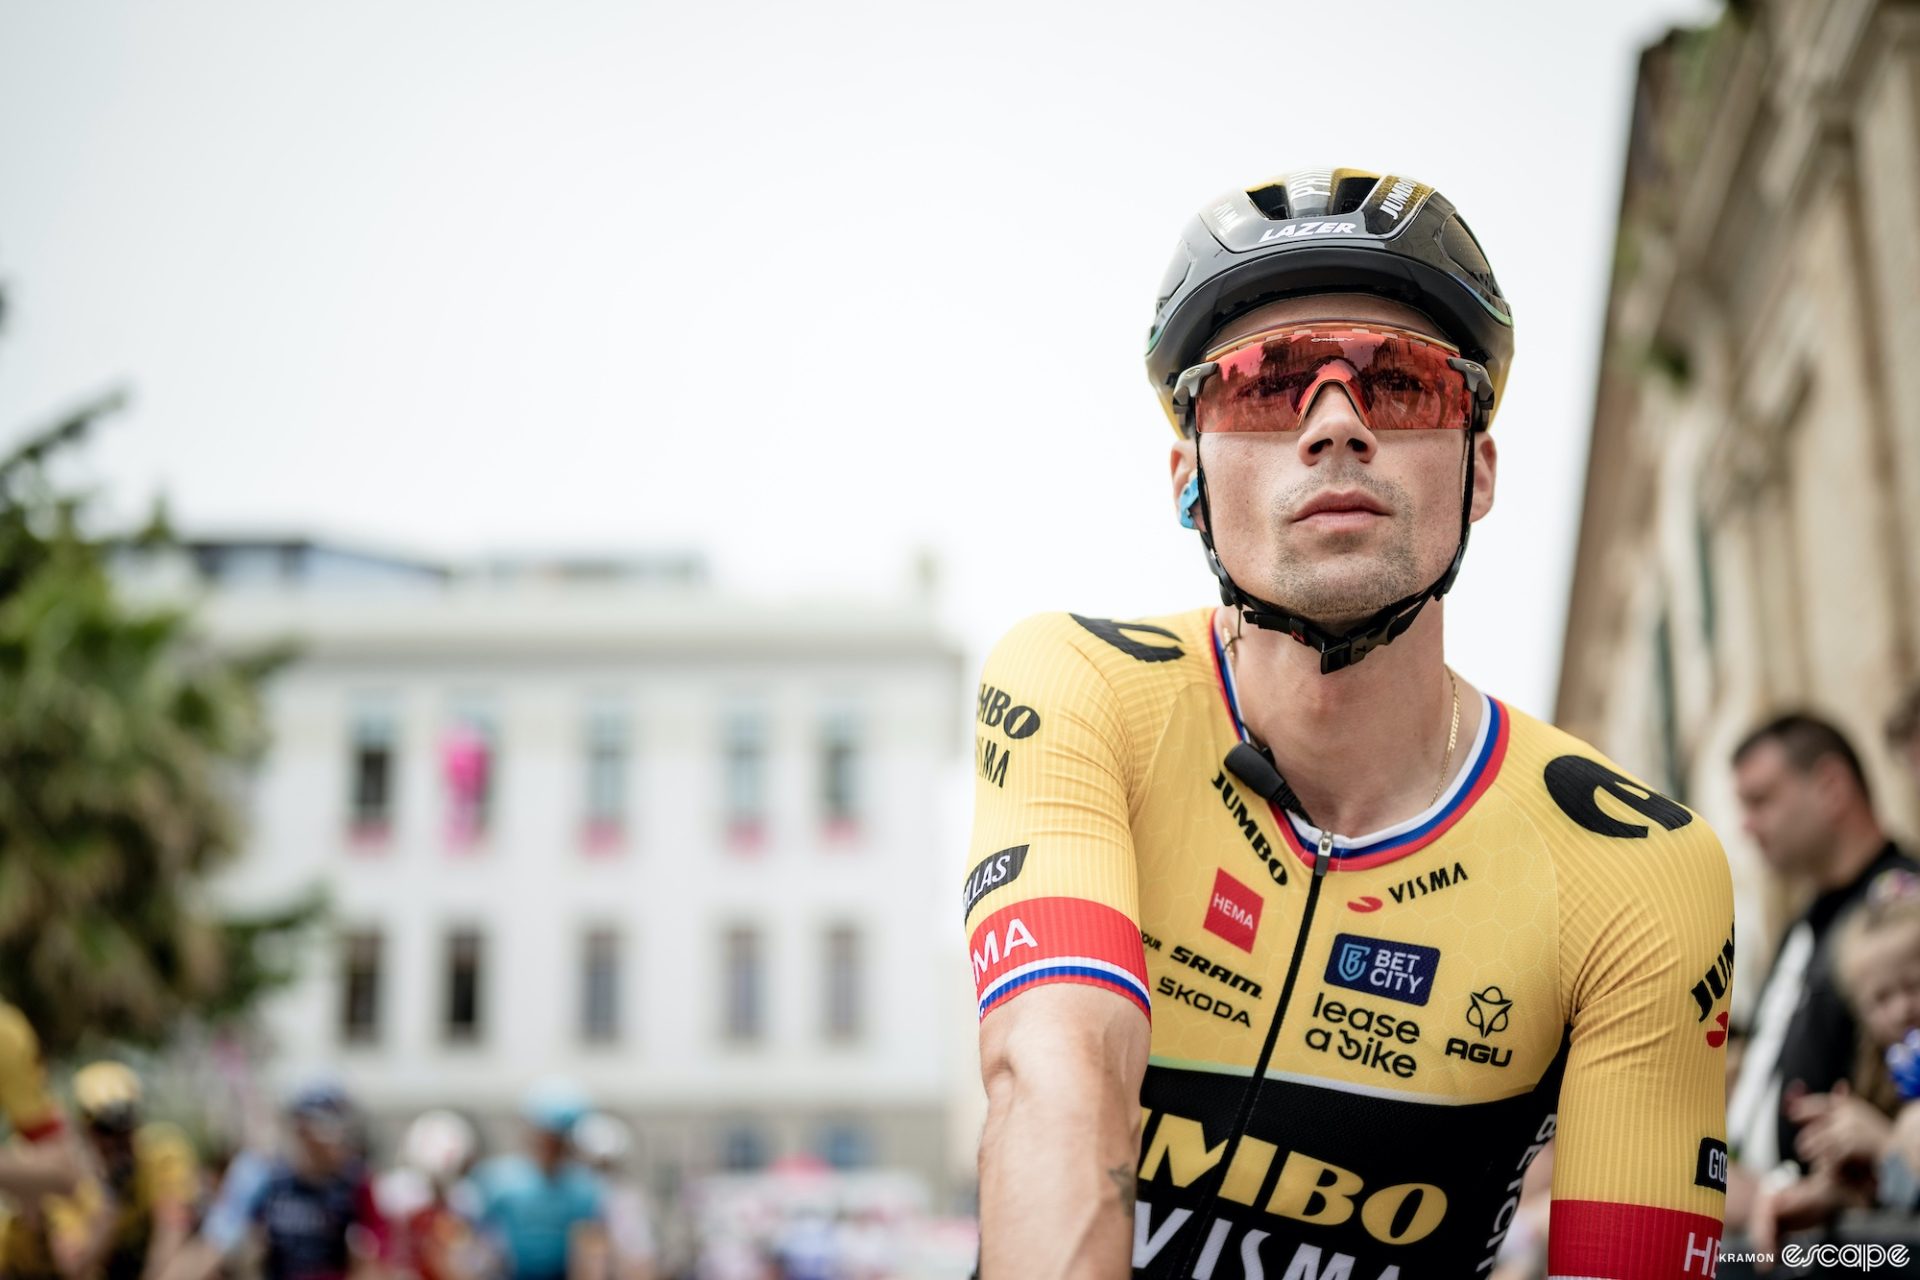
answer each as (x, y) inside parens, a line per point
(1338, 649)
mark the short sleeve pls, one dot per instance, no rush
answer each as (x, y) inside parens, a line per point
(1639, 1182)
(1051, 893)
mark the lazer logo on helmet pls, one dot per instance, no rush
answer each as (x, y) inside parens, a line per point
(1397, 970)
(1297, 230)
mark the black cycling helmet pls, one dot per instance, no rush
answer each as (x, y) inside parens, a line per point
(1329, 231)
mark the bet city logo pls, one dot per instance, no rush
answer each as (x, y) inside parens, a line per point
(1400, 971)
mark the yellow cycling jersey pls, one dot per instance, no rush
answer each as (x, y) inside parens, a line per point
(1359, 1043)
(164, 1178)
(24, 1100)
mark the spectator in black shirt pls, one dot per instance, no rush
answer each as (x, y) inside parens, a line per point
(1809, 810)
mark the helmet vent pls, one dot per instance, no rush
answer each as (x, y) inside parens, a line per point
(1272, 201)
(1351, 193)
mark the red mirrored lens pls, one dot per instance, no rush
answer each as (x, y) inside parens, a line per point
(1398, 381)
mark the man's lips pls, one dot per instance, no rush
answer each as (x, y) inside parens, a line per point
(1340, 510)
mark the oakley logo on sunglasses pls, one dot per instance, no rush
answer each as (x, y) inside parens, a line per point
(1295, 230)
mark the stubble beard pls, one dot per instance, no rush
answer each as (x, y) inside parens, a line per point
(1345, 581)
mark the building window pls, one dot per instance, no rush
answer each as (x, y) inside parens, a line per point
(845, 1144)
(744, 997)
(745, 757)
(360, 955)
(607, 756)
(470, 763)
(841, 969)
(465, 964)
(839, 774)
(600, 988)
(743, 1148)
(370, 798)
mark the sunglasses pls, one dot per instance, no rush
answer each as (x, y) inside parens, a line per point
(1398, 380)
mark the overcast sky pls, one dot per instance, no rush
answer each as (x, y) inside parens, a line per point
(805, 287)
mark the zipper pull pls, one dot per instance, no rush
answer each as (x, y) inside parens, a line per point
(1325, 854)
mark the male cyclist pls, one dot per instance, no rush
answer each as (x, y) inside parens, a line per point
(1293, 949)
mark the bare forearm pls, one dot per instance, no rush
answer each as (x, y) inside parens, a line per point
(1057, 1175)
(42, 1169)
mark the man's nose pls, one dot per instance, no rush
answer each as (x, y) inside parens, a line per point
(1332, 425)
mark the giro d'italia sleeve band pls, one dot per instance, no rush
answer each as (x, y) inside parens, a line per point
(1051, 889)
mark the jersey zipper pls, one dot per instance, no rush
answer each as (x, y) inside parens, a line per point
(1247, 1103)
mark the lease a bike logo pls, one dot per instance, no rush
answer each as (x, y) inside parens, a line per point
(1400, 971)
(1576, 784)
(1124, 636)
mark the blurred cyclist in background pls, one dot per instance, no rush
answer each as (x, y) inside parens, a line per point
(429, 1202)
(543, 1208)
(311, 1212)
(605, 1144)
(132, 1218)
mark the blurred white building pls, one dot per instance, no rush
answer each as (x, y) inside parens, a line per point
(597, 820)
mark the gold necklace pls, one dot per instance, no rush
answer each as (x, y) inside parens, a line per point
(1453, 736)
(1453, 729)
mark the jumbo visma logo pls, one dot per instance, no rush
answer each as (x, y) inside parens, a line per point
(1307, 1190)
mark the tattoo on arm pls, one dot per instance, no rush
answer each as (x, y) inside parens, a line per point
(1123, 1181)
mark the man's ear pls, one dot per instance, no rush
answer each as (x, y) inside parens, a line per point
(1186, 483)
(1485, 463)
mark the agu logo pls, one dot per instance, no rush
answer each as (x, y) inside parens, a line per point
(1233, 912)
(1397, 970)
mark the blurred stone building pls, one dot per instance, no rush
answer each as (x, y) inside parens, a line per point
(603, 822)
(1750, 539)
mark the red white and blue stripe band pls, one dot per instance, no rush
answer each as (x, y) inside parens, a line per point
(1484, 756)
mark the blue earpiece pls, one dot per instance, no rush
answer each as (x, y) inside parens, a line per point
(1188, 497)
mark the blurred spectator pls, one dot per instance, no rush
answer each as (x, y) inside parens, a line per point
(544, 1208)
(133, 1217)
(1808, 808)
(605, 1144)
(428, 1201)
(40, 1160)
(1861, 1141)
(311, 1213)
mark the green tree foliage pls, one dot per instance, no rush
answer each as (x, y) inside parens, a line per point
(123, 740)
